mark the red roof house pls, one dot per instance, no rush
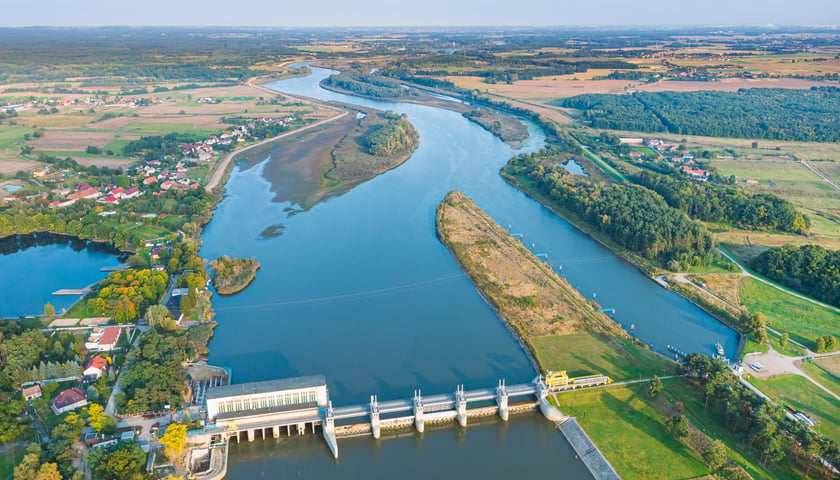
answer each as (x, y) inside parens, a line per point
(68, 400)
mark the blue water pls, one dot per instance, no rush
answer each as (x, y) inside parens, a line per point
(359, 288)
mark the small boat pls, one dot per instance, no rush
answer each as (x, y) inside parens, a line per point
(719, 348)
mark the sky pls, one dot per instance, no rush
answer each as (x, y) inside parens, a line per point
(354, 13)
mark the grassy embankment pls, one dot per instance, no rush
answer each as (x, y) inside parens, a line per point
(825, 370)
(802, 320)
(563, 331)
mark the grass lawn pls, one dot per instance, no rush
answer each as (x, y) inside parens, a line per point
(588, 353)
(790, 350)
(708, 421)
(631, 434)
(804, 321)
(818, 372)
(116, 145)
(803, 395)
(9, 458)
(752, 346)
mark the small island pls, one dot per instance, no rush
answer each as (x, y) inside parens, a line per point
(507, 127)
(232, 275)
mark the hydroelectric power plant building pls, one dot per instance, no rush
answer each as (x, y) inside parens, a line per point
(294, 406)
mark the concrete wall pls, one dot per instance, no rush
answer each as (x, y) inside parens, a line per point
(587, 451)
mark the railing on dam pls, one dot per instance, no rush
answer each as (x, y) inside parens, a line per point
(366, 419)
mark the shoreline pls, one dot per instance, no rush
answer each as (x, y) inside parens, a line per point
(617, 251)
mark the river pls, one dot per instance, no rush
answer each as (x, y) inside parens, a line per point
(358, 288)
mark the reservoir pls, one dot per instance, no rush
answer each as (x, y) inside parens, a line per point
(359, 289)
(33, 266)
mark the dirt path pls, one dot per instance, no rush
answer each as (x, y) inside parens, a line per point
(820, 174)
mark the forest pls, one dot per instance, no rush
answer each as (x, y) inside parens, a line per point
(633, 216)
(365, 85)
(396, 135)
(779, 114)
(126, 294)
(809, 269)
(156, 376)
(716, 203)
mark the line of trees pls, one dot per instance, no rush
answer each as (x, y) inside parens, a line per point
(779, 114)
(634, 217)
(809, 269)
(372, 85)
(761, 425)
(715, 203)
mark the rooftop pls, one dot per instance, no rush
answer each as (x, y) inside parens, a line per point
(267, 386)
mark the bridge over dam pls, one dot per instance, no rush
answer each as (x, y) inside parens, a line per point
(295, 406)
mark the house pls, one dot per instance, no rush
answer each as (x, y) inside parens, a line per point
(103, 339)
(68, 400)
(90, 438)
(635, 154)
(117, 192)
(131, 193)
(39, 173)
(32, 392)
(150, 180)
(9, 198)
(96, 367)
(86, 193)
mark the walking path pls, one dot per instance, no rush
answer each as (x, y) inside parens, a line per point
(746, 273)
(820, 174)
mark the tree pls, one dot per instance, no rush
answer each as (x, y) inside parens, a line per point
(49, 310)
(120, 462)
(655, 386)
(678, 426)
(754, 145)
(783, 340)
(96, 417)
(175, 439)
(48, 471)
(716, 455)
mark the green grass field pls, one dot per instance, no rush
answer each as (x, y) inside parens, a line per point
(803, 321)
(825, 378)
(710, 422)
(116, 145)
(790, 350)
(803, 395)
(751, 347)
(164, 128)
(588, 353)
(631, 434)
(9, 136)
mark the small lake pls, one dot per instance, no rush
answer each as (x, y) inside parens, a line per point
(34, 266)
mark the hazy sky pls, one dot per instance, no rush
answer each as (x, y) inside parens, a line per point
(419, 12)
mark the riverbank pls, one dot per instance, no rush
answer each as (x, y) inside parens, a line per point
(644, 266)
(540, 308)
(506, 126)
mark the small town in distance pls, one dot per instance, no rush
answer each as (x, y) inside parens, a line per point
(326, 252)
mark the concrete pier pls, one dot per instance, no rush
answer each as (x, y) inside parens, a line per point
(251, 435)
(460, 406)
(275, 430)
(418, 412)
(502, 401)
(374, 417)
(329, 430)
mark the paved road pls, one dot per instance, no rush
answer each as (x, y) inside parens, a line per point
(218, 174)
(820, 174)
(111, 406)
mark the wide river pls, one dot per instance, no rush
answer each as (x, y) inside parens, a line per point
(358, 288)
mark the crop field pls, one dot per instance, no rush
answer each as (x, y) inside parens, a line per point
(11, 136)
(73, 139)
